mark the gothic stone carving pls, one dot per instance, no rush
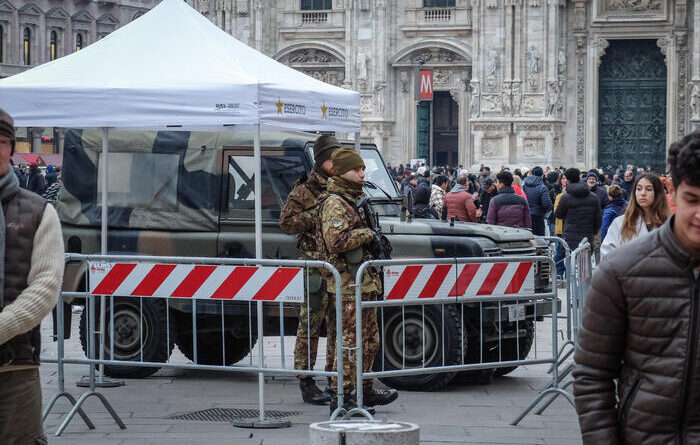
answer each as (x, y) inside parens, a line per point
(506, 100)
(366, 103)
(403, 77)
(533, 147)
(682, 79)
(694, 101)
(310, 56)
(491, 147)
(491, 69)
(633, 5)
(534, 66)
(433, 55)
(491, 128)
(533, 103)
(554, 102)
(333, 77)
(580, 95)
(524, 128)
(475, 104)
(491, 102)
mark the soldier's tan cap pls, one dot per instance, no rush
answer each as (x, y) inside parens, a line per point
(346, 159)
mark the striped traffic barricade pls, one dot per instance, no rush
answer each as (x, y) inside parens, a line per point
(185, 283)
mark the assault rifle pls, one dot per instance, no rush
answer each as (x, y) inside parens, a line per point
(380, 247)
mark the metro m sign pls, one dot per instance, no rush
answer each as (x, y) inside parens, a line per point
(425, 81)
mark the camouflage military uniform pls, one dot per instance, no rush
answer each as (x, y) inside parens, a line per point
(343, 231)
(300, 217)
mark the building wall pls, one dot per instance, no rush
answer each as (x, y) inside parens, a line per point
(524, 73)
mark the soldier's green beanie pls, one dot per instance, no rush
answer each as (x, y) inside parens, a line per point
(7, 127)
(346, 159)
(324, 147)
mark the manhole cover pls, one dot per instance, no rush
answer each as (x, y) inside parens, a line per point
(229, 414)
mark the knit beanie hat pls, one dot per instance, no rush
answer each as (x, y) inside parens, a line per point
(346, 159)
(7, 127)
(591, 174)
(324, 147)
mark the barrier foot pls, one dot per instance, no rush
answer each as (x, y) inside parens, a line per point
(349, 415)
(71, 399)
(539, 398)
(565, 356)
(99, 383)
(77, 406)
(551, 399)
(255, 422)
(338, 412)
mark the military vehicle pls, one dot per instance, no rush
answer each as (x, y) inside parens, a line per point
(191, 194)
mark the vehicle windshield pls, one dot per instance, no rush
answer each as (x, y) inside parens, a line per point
(377, 173)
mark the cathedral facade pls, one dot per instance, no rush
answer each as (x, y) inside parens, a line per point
(515, 82)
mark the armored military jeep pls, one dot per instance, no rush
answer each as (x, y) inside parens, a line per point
(192, 194)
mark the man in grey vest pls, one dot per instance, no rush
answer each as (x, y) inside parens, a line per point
(31, 270)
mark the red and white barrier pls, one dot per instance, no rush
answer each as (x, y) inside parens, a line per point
(458, 280)
(239, 283)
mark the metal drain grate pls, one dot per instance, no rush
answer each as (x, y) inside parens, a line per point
(230, 414)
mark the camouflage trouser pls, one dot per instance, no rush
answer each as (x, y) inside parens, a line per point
(370, 343)
(312, 314)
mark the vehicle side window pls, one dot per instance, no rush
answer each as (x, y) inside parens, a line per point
(279, 173)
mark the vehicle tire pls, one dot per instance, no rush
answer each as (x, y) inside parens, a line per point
(210, 347)
(127, 341)
(412, 322)
(510, 348)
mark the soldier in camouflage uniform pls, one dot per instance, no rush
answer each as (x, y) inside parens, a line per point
(346, 241)
(300, 217)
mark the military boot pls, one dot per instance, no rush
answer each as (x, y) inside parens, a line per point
(348, 404)
(310, 392)
(328, 389)
(374, 397)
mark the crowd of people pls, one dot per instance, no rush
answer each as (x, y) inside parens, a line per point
(606, 209)
(44, 182)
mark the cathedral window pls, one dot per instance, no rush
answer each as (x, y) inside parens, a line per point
(316, 5)
(52, 45)
(438, 3)
(78, 42)
(27, 46)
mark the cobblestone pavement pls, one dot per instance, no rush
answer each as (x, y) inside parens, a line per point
(461, 413)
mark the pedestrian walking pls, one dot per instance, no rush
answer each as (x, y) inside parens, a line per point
(538, 199)
(616, 207)
(347, 242)
(300, 217)
(459, 202)
(507, 208)
(647, 210)
(31, 270)
(437, 194)
(579, 209)
(636, 374)
(35, 180)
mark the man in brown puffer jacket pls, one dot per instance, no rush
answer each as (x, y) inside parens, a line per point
(641, 325)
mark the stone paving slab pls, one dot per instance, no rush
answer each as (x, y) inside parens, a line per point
(462, 413)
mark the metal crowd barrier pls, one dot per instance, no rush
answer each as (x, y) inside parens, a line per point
(219, 280)
(501, 289)
(579, 277)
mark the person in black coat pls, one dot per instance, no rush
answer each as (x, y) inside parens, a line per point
(421, 200)
(51, 175)
(538, 199)
(35, 182)
(580, 210)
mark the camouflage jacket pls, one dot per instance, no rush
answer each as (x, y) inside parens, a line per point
(300, 214)
(342, 230)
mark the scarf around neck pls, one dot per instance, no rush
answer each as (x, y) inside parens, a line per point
(9, 186)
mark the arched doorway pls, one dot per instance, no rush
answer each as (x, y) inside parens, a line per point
(632, 105)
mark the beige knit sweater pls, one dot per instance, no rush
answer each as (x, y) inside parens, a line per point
(44, 281)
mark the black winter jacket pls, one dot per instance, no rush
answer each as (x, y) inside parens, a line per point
(580, 210)
(537, 195)
(641, 325)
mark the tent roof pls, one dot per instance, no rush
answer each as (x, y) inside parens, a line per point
(173, 69)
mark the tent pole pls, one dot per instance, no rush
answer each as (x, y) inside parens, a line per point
(257, 159)
(103, 241)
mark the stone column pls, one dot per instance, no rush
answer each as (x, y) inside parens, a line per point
(42, 39)
(36, 134)
(596, 50)
(61, 133)
(15, 40)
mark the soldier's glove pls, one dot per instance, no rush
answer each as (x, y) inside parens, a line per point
(7, 354)
(375, 247)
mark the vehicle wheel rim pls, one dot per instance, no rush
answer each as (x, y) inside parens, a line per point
(128, 330)
(412, 325)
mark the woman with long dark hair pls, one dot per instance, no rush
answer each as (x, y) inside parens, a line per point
(647, 210)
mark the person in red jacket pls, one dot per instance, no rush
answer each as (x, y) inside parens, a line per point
(460, 203)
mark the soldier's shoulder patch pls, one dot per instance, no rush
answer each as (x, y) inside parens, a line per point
(336, 222)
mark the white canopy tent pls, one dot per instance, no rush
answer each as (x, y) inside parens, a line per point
(172, 69)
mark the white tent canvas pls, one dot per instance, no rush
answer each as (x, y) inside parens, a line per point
(172, 68)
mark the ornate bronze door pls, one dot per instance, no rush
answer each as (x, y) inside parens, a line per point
(423, 130)
(632, 105)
